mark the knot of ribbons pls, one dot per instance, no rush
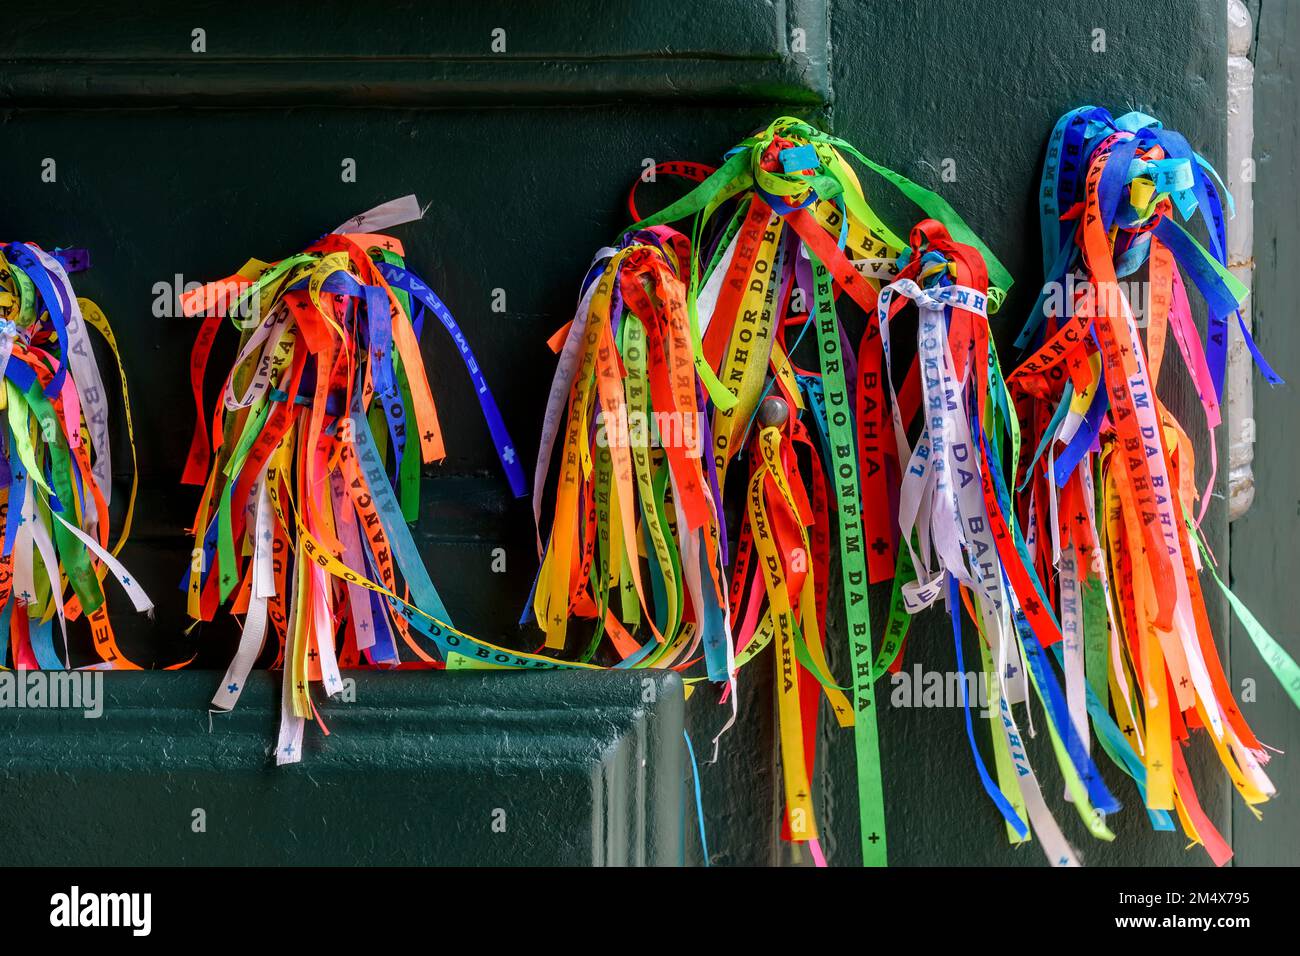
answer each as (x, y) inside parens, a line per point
(56, 474)
(958, 537)
(1108, 492)
(311, 468)
(671, 323)
(635, 479)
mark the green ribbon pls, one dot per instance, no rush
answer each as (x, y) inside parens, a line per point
(1282, 664)
(843, 477)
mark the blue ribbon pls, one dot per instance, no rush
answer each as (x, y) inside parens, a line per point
(406, 281)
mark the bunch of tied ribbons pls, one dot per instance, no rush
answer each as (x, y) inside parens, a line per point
(687, 337)
(311, 473)
(56, 468)
(1108, 494)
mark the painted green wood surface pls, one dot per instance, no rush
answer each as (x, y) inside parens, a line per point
(469, 770)
(177, 163)
(1265, 552)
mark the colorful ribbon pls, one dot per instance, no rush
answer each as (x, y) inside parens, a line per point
(958, 536)
(311, 474)
(637, 542)
(674, 325)
(56, 470)
(1108, 490)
